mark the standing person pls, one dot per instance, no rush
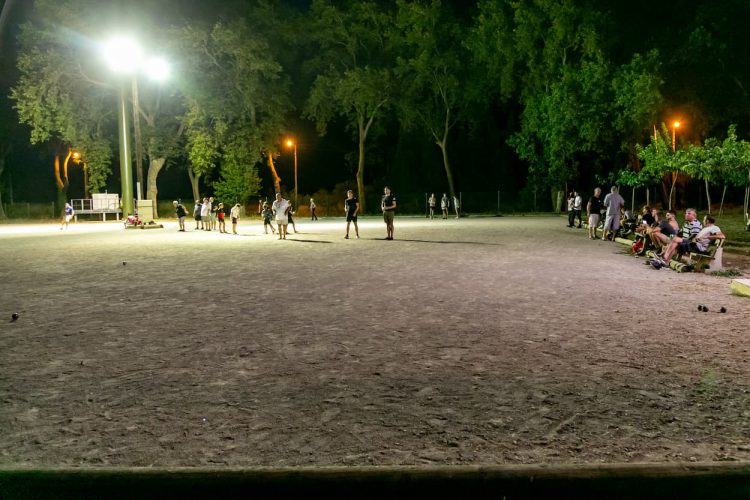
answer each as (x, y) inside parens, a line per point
(214, 212)
(431, 202)
(234, 214)
(593, 211)
(280, 209)
(388, 205)
(445, 205)
(456, 206)
(313, 206)
(220, 216)
(577, 204)
(571, 211)
(68, 214)
(206, 215)
(267, 215)
(181, 212)
(197, 210)
(290, 219)
(614, 203)
(351, 207)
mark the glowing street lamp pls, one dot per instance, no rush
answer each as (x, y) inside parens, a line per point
(675, 126)
(292, 144)
(124, 56)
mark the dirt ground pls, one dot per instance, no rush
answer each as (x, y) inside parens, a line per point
(479, 341)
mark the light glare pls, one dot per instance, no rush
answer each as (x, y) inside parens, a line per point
(156, 68)
(123, 54)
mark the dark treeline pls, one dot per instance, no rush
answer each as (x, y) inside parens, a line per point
(527, 98)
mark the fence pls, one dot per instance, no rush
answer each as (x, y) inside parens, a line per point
(23, 210)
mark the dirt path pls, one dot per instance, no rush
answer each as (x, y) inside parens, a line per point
(480, 341)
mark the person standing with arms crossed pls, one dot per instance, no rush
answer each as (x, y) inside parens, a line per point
(313, 206)
(388, 206)
(431, 202)
(351, 207)
(445, 204)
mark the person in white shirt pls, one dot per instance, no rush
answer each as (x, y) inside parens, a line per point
(235, 215)
(577, 206)
(206, 214)
(280, 209)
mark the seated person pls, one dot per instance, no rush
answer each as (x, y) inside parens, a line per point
(699, 243)
(647, 220)
(664, 230)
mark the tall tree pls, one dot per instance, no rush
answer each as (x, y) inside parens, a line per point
(354, 70)
(432, 71)
(236, 99)
(60, 93)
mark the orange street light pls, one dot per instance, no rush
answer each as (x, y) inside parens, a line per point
(292, 144)
(675, 126)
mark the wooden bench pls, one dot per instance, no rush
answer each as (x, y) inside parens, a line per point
(710, 260)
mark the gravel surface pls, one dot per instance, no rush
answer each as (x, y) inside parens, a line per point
(473, 341)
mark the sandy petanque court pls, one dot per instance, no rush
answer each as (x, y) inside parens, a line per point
(479, 341)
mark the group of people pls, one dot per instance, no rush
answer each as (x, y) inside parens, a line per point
(662, 233)
(208, 214)
(445, 205)
(668, 239)
(610, 209)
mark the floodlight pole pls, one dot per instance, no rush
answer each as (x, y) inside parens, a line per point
(126, 172)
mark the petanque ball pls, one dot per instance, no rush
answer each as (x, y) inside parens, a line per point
(723, 310)
(123, 262)
(700, 306)
(705, 309)
(14, 316)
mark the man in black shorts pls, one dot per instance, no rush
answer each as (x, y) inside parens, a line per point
(351, 207)
(388, 206)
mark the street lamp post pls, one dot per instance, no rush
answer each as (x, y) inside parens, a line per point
(675, 126)
(126, 172)
(293, 144)
(124, 56)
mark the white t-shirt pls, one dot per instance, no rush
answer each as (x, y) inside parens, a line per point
(279, 208)
(206, 209)
(235, 213)
(701, 240)
(577, 203)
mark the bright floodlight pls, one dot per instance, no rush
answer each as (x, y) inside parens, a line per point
(289, 143)
(122, 54)
(156, 68)
(676, 124)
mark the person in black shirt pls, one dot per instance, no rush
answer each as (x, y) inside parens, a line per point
(388, 205)
(181, 212)
(351, 207)
(594, 212)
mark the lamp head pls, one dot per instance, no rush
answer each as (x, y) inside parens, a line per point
(122, 54)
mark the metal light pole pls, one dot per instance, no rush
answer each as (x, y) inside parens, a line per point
(293, 144)
(126, 172)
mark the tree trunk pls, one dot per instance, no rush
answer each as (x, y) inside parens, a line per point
(361, 165)
(138, 141)
(446, 163)
(708, 196)
(154, 166)
(2, 167)
(274, 174)
(194, 180)
(648, 196)
(632, 200)
(723, 194)
(671, 189)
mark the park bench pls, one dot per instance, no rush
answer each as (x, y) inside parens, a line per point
(711, 259)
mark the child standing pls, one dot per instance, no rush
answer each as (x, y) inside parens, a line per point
(235, 215)
(267, 214)
(220, 216)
